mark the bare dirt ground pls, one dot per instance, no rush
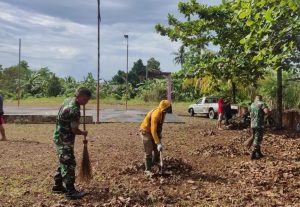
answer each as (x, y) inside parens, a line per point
(209, 168)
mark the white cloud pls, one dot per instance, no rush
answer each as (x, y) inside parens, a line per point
(55, 36)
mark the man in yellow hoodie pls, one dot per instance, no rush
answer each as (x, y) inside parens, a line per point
(150, 132)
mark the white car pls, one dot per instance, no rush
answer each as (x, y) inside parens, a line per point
(208, 106)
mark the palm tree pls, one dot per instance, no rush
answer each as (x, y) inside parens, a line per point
(180, 56)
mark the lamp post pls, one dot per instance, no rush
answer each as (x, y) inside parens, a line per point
(19, 74)
(126, 37)
(98, 65)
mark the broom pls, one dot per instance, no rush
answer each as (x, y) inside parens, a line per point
(85, 173)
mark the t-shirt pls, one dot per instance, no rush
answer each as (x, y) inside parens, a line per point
(257, 114)
(220, 106)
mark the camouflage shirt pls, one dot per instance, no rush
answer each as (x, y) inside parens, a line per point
(68, 118)
(257, 114)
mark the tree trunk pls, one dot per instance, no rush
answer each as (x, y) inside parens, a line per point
(234, 92)
(279, 98)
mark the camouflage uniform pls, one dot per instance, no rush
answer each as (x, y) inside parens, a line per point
(68, 117)
(257, 121)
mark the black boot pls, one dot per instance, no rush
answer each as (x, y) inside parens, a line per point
(58, 183)
(73, 194)
(58, 189)
(259, 152)
(255, 154)
(148, 164)
(155, 158)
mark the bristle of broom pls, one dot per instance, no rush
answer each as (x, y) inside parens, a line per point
(85, 172)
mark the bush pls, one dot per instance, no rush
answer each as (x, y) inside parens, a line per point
(153, 90)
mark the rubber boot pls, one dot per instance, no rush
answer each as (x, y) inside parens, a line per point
(58, 183)
(156, 158)
(59, 188)
(148, 166)
(255, 154)
(73, 194)
(259, 152)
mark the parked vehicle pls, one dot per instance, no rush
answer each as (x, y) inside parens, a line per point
(208, 106)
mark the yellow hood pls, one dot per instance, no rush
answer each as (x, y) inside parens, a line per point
(154, 120)
(164, 104)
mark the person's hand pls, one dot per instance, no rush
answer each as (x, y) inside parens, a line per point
(85, 133)
(159, 147)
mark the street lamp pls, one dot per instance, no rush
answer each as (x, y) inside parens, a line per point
(98, 64)
(19, 74)
(126, 37)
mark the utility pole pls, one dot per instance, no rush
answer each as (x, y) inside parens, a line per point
(98, 65)
(126, 37)
(19, 74)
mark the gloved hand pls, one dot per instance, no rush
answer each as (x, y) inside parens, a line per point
(84, 133)
(159, 147)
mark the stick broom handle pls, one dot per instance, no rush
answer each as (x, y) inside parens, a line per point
(84, 120)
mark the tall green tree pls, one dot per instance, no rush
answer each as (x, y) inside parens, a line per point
(120, 77)
(153, 68)
(69, 86)
(90, 83)
(274, 36)
(180, 56)
(212, 25)
(54, 86)
(10, 75)
(137, 73)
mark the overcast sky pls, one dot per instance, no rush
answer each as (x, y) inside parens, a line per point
(62, 34)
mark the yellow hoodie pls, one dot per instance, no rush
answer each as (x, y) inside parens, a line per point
(154, 120)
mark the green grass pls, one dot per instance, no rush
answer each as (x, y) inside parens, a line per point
(104, 103)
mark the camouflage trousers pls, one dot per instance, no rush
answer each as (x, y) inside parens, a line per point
(150, 148)
(257, 134)
(65, 173)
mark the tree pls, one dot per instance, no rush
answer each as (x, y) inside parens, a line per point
(54, 86)
(179, 56)
(69, 86)
(90, 83)
(152, 68)
(274, 28)
(9, 77)
(137, 73)
(216, 25)
(34, 84)
(120, 77)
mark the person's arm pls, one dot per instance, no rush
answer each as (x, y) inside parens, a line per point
(77, 131)
(265, 108)
(74, 115)
(266, 111)
(154, 123)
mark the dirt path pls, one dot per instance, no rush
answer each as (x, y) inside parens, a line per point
(209, 168)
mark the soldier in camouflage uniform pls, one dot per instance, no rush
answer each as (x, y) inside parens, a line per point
(67, 126)
(257, 111)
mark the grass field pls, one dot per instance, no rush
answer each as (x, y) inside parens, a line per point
(104, 103)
